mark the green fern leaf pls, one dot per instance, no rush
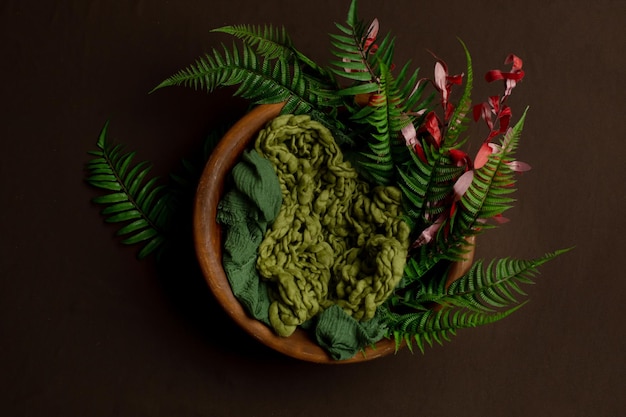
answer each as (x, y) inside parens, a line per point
(384, 115)
(270, 42)
(459, 121)
(487, 194)
(427, 184)
(482, 296)
(429, 327)
(350, 48)
(259, 79)
(142, 207)
(497, 285)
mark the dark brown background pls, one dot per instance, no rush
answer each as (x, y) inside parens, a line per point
(87, 330)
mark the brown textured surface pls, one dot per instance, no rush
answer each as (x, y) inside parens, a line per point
(86, 330)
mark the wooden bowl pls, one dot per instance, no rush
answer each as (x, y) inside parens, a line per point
(208, 244)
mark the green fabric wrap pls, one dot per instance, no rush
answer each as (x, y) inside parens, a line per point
(334, 241)
(245, 213)
(342, 336)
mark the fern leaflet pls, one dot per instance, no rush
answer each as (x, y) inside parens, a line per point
(487, 195)
(142, 206)
(482, 296)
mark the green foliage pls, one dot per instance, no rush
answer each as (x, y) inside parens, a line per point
(353, 63)
(459, 120)
(488, 194)
(270, 42)
(139, 205)
(386, 117)
(260, 80)
(425, 186)
(427, 183)
(482, 296)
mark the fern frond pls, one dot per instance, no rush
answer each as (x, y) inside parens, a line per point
(487, 195)
(426, 184)
(142, 206)
(269, 41)
(429, 327)
(459, 121)
(497, 285)
(259, 79)
(354, 55)
(384, 115)
(483, 295)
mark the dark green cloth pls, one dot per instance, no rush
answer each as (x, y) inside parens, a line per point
(342, 336)
(245, 213)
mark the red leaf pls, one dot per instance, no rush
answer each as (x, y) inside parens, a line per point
(485, 114)
(430, 232)
(483, 155)
(515, 60)
(494, 101)
(495, 75)
(455, 79)
(449, 111)
(432, 126)
(499, 218)
(460, 158)
(477, 111)
(420, 152)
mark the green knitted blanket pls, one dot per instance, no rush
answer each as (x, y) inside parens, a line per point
(334, 241)
(336, 248)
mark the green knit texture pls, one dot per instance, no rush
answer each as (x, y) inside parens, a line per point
(335, 241)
